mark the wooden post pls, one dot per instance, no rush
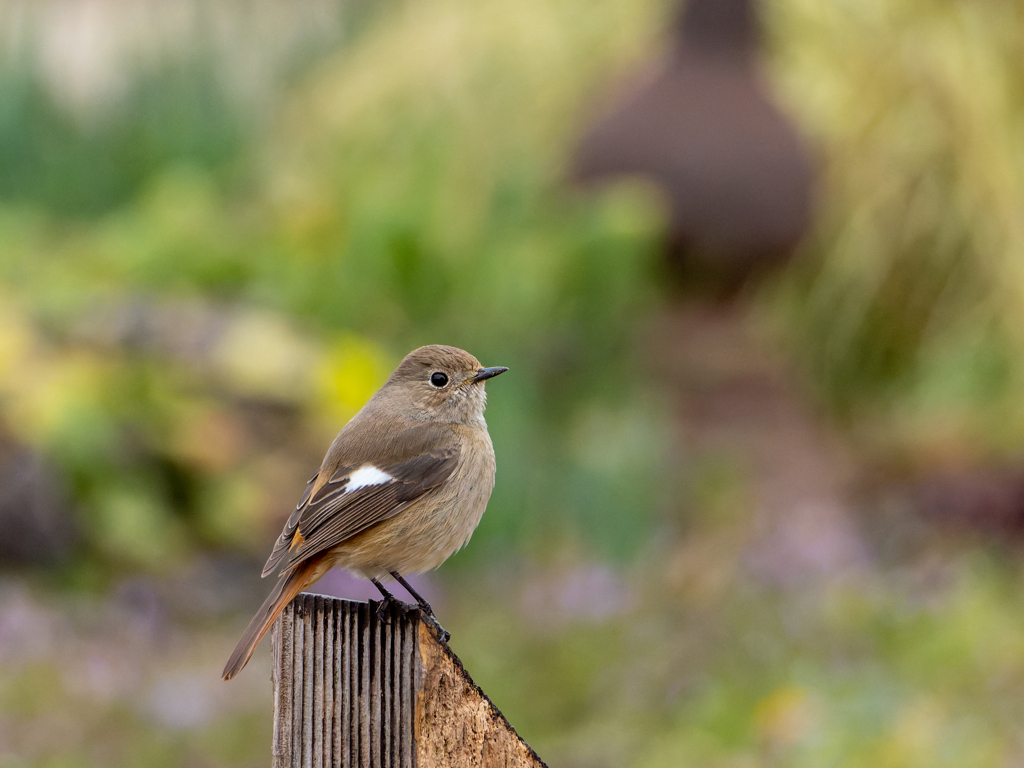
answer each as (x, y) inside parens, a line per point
(351, 690)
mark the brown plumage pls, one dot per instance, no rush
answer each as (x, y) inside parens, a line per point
(401, 488)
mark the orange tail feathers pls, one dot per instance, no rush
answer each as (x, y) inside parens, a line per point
(288, 586)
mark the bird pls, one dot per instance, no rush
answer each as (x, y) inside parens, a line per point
(402, 487)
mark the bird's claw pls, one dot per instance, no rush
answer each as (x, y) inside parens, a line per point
(443, 635)
(384, 608)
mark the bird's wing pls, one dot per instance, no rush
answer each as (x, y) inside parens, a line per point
(352, 500)
(284, 541)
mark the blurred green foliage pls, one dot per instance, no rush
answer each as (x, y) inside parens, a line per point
(174, 113)
(906, 304)
(408, 191)
(409, 194)
(194, 297)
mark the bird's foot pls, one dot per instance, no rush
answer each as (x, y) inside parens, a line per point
(425, 610)
(384, 606)
(384, 609)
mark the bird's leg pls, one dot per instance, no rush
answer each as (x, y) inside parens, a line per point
(385, 604)
(424, 606)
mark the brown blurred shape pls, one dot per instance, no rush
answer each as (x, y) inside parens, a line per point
(985, 499)
(35, 518)
(736, 173)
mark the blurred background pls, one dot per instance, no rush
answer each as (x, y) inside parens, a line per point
(757, 273)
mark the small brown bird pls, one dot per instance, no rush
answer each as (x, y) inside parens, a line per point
(401, 488)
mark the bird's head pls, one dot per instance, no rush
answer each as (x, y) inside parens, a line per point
(442, 384)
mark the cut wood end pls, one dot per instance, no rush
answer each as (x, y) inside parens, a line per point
(456, 723)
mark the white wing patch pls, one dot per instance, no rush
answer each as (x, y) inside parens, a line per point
(366, 475)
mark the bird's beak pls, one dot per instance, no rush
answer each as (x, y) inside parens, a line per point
(487, 373)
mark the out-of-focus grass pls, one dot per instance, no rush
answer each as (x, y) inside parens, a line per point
(176, 114)
(906, 304)
(916, 665)
(907, 667)
(119, 680)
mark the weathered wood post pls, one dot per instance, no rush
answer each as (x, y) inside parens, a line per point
(351, 690)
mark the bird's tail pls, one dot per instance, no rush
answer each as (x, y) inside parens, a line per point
(288, 586)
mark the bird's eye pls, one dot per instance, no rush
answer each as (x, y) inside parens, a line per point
(438, 379)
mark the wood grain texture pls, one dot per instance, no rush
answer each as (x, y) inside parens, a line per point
(352, 690)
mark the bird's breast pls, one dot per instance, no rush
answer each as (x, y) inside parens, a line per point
(461, 499)
(433, 527)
